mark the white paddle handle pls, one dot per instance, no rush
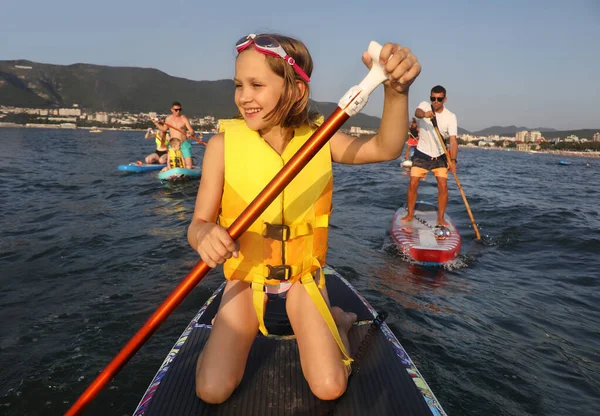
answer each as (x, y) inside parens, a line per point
(356, 97)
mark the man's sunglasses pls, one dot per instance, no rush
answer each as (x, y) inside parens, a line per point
(176, 109)
(438, 99)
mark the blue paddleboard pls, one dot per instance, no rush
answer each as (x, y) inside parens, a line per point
(132, 167)
(178, 174)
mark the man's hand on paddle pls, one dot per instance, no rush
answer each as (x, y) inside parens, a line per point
(400, 65)
(451, 166)
(215, 244)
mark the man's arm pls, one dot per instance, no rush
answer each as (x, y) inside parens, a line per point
(188, 126)
(452, 132)
(159, 125)
(453, 148)
(419, 113)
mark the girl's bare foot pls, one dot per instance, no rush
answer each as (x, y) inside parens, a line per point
(343, 320)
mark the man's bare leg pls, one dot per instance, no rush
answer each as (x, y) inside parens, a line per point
(442, 200)
(411, 198)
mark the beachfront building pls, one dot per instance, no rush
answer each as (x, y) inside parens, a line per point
(357, 131)
(533, 136)
(75, 112)
(572, 139)
(102, 117)
(486, 142)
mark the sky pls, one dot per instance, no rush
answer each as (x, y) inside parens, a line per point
(532, 63)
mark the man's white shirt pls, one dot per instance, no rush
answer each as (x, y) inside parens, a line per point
(428, 140)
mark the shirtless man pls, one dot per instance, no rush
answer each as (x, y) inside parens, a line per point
(181, 122)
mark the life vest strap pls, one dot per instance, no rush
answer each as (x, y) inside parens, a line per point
(315, 294)
(308, 282)
(280, 231)
(258, 299)
(273, 275)
(281, 272)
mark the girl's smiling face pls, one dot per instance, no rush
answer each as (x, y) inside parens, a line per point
(257, 88)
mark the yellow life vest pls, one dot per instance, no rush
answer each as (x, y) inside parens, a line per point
(288, 242)
(176, 158)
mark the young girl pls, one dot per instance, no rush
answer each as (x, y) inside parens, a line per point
(283, 251)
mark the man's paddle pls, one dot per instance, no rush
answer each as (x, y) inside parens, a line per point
(350, 104)
(464, 197)
(181, 131)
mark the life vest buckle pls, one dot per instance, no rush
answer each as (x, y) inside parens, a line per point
(281, 272)
(279, 232)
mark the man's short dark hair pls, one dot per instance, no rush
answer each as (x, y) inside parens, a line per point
(176, 103)
(438, 89)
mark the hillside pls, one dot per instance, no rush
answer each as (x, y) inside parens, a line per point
(508, 130)
(547, 133)
(123, 89)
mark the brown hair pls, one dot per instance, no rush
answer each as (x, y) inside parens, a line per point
(291, 111)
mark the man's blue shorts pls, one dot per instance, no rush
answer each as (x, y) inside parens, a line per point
(186, 149)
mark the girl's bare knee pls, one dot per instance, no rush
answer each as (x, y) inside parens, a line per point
(329, 388)
(215, 391)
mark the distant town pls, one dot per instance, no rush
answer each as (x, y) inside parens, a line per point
(76, 118)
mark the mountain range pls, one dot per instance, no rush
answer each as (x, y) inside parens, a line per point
(124, 89)
(137, 90)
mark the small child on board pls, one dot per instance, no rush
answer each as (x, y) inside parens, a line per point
(175, 159)
(283, 252)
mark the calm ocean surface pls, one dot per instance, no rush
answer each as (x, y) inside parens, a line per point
(87, 253)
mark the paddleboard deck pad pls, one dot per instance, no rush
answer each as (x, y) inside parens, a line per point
(132, 167)
(388, 382)
(179, 174)
(416, 239)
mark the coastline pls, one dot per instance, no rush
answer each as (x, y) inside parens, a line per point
(59, 127)
(594, 155)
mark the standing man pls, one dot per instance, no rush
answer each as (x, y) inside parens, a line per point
(181, 122)
(429, 155)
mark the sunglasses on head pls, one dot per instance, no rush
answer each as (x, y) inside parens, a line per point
(269, 46)
(438, 99)
(176, 109)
